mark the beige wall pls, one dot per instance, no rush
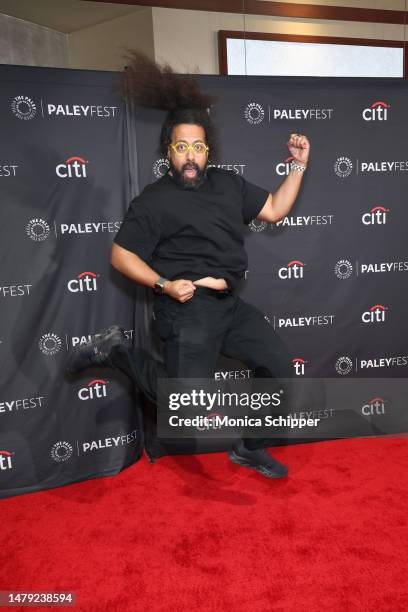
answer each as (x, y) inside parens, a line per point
(28, 44)
(101, 47)
(187, 40)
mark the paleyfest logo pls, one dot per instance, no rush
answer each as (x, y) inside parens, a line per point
(50, 344)
(343, 269)
(160, 167)
(23, 108)
(254, 113)
(61, 451)
(257, 226)
(378, 111)
(344, 365)
(37, 229)
(343, 167)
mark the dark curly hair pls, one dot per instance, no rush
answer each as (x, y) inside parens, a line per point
(148, 84)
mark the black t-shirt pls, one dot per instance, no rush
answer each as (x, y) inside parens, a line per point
(193, 233)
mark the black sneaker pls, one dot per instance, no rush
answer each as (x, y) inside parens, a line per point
(96, 351)
(259, 460)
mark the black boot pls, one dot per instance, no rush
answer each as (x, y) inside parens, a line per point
(96, 351)
(259, 460)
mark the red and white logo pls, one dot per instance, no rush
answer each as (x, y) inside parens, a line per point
(86, 281)
(73, 167)
(374, 406)
(376, 216)
(95, 389)
(5, 460)
(294, 269)
(378, 111)
(376, 314)
(283, 168)
(299, 365)
(211, 421)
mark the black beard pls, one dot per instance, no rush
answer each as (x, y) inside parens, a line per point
(181, 181)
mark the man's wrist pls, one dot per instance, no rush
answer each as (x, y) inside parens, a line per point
(159, 285)
(298, 166)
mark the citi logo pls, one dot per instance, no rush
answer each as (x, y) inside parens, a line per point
(283, 168)
(374, 406)
(294, 269)
(5, 460)
(73, 167)
(95, 389)
(86, 281)
(376, 314)
(378, 111)
(376, 216)
(210, 421)
(299, 366)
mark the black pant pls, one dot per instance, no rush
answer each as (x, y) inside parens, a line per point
(196, 331)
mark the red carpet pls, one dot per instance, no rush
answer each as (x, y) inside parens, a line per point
(200, 533)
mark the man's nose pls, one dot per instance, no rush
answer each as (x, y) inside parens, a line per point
(190, 154)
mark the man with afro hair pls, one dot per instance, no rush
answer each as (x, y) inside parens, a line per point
(183, 238)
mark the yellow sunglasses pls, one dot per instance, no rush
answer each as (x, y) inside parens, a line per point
(181, 147)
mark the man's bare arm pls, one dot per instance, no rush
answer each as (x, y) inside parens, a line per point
(135, 268)
(279, 204)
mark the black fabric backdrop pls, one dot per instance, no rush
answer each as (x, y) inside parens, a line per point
(330, 278)
(59, 218)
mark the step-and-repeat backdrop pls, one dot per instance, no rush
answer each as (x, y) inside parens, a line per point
(330, 277)
(64, 178)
